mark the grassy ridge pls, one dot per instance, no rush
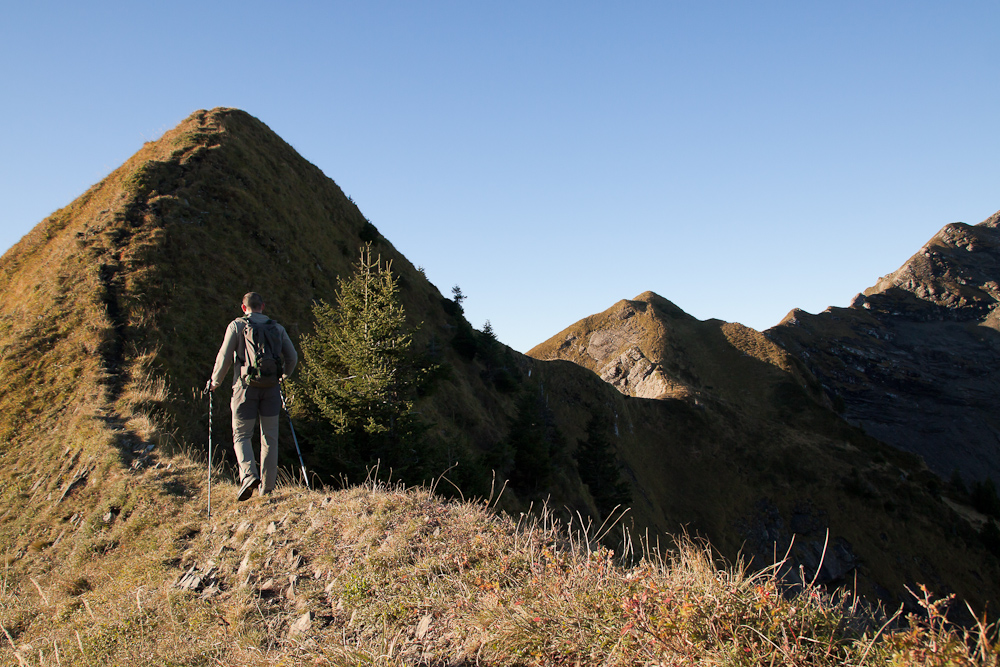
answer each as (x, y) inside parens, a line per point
(111, 311)
(382, 574)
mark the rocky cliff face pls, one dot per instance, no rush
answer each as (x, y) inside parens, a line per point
(915, 359)
(617, 349)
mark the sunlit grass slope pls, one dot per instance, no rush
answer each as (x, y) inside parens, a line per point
(111, 311)
(382, 574)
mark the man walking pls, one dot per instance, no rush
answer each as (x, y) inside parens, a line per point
(263, 355)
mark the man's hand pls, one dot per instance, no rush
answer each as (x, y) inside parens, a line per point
(208, 387)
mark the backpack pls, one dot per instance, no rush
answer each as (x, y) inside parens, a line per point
(262, 355)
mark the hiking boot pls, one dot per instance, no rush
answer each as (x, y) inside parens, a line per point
(249, 484)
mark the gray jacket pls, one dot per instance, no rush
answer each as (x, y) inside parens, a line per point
(234, 349)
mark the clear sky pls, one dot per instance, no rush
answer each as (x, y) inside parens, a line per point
(740, 159)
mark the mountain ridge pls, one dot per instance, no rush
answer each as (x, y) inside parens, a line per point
(769, 417)
(112, 308)
(914, 358)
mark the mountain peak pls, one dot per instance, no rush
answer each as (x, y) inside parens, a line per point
(913, 360)
(953, 276)
(992, 221)
(648, 347)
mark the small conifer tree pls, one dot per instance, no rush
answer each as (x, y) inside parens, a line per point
(356, 372)
(599, 469)
(490, 335)
(457, 296)
(497, 359)
(985, 499)
(534, 449)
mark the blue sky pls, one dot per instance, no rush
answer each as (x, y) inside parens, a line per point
(551, 158)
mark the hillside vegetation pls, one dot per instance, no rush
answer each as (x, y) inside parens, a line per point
(111, 311)
(382, 574)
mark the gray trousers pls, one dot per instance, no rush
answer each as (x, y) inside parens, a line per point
(250, 404)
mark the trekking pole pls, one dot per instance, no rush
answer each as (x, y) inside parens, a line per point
(298, 451)
(208, 388)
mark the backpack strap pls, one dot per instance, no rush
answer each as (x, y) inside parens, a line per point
(241, 348)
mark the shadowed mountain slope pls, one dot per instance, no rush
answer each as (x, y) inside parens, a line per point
(112, 309)
(915, 360)
(746, 435)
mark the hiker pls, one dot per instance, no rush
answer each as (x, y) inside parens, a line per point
(264, 356)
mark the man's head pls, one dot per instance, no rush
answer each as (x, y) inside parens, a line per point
(253, 302)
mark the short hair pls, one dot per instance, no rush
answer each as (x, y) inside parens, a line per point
(253, 301)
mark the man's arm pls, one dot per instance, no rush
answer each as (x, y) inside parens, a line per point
(289, 357)
(224, 359)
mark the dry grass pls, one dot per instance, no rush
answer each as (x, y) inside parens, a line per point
(386, 575)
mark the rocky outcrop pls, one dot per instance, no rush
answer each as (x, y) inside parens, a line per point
(621, 362)
(620, 345)
(915, 359)
(633, 374)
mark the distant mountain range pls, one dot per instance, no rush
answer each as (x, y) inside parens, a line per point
(806, 438)
(915, 360)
